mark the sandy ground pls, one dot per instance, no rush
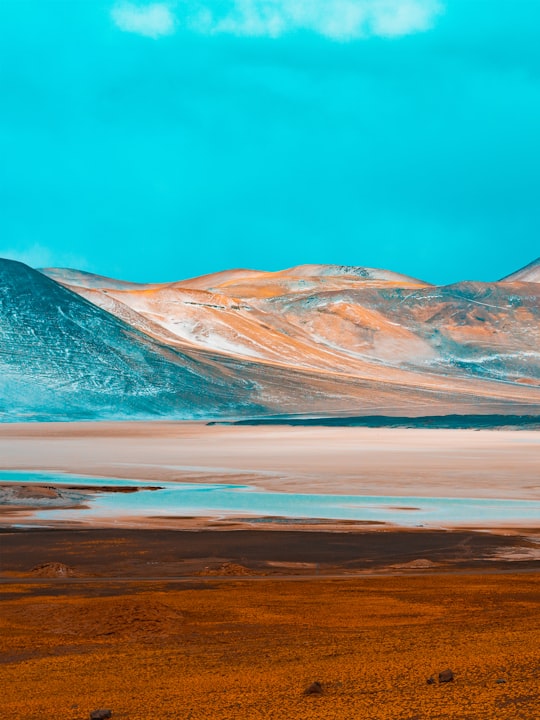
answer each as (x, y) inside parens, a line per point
(245, 650)
(402, 462)
(142, 621)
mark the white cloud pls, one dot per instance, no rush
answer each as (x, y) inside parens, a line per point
(38, 256)
(336, 19)
(152, 20)
(391, 18)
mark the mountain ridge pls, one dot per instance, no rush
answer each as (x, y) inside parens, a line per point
(322, 339)
(529, 273)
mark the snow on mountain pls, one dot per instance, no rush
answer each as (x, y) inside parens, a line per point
(62, 356)
(321, 339)
(351, 272)
(467, 329)
(300, 279)
(347, 323)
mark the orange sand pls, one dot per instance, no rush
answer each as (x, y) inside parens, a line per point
(244, 650)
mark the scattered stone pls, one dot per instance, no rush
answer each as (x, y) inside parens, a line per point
(446, 676)
(431, 680)
(500, 681)
(420, 564)
(314, 689)
(227, 568)
(100, 714)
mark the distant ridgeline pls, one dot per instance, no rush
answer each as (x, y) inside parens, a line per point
(313, 340)
(455, 422)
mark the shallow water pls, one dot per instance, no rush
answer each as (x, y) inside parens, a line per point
(220, 500)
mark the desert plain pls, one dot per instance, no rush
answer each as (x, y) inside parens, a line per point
(233, 616)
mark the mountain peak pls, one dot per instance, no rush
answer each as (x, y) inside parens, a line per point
(312, 338)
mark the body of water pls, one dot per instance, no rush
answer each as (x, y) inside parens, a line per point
(229, 500)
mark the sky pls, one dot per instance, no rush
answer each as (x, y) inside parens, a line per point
(155, 141)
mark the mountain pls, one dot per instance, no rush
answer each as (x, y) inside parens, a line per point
(356, 321)
(63, 357)
(312, 339)
(81, 278)
(529, 273)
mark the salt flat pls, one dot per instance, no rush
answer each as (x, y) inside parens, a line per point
(344, 460)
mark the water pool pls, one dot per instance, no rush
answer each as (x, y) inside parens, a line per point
(232, 500)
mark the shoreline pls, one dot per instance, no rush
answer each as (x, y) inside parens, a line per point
(388, 462)
(347, 460)
(22, 502)
(362, 462)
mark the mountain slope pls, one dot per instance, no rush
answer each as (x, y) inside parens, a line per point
(313, 339)
(529, 273)
(63, 356)
(80, 278)
(482, 330)
(360, 322)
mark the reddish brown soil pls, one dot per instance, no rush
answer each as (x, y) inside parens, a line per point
(247, 649)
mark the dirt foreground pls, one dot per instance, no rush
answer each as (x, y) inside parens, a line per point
(243, 650)
(169, 554)
(211, 621)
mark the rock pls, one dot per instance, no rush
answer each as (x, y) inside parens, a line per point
(419, 564)
(227, 568)
(53, 569)
(446, 676)
(314, 689)
(100, 714)
(500, 681)
(431, 680)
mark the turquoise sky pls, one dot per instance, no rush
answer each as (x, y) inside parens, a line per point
(157, 141)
